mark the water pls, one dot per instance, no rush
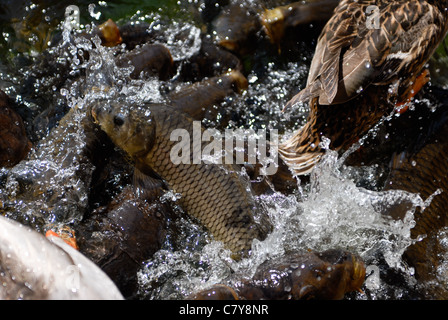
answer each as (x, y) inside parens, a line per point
(334, 213)
(340, 207)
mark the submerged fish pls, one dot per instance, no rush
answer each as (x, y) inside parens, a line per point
(214, 194)
(278, 20)
(425, 171)
(149, 59)
(199, 99)
(119, 237)
(236, 28)
(298, 276)
(14, 143)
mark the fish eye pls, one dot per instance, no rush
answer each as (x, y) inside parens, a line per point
(119, 120)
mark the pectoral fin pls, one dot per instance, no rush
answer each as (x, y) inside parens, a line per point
(148, 185)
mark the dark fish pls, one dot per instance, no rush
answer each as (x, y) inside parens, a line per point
(236, 27)
(14, 143)
(151, 59)
(425, 172)
(134, 34)
(216, 195)
(200, 99)
(211, 60)
(297, 276)
(277, 21)
(122, 235)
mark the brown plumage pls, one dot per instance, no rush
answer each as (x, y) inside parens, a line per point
(363, 64)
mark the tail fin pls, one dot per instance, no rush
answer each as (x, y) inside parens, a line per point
(240, 81)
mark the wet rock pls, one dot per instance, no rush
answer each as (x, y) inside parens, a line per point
(297, 276)
(14, 143)
(122, 235)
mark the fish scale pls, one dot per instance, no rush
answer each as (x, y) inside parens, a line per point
(424, 171)
(213, 194)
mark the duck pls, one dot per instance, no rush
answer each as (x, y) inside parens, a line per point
(369, 62)
(38, 267)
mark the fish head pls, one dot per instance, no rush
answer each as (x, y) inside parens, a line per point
(130, 127)
(328, 275)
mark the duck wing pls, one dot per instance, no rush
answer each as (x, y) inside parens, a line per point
(351, 54)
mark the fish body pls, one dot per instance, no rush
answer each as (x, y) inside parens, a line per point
(425, 172)
(149, 59)
(199, 100)
(14, 143)
(325, 275)
(216, 195)
(236, 27)
(278, 20)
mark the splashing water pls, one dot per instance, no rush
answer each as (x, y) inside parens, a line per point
(334, 213)
(331, 213)
(52, 186)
